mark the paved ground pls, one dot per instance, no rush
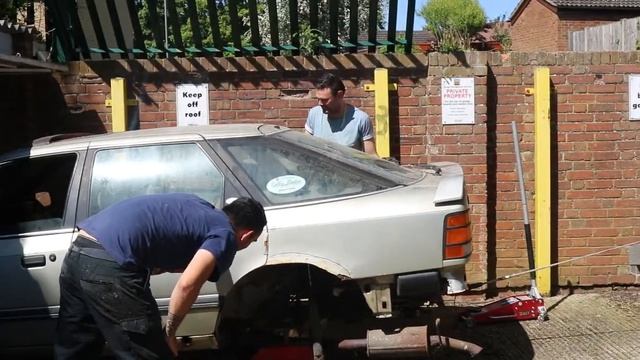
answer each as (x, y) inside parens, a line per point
(600, 326)
(589, 326)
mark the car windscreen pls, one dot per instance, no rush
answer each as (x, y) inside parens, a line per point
(286, 172)
(358, 159)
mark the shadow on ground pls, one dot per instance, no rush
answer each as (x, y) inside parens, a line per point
(507, 340)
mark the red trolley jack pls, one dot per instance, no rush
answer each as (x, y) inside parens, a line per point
(519, 307)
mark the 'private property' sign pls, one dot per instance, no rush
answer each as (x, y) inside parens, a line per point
(458, 101)
(192, 104)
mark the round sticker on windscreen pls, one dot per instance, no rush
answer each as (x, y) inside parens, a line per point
(285, 184)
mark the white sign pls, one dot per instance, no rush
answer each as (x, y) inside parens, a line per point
(458, 101)
(634, 97)
(285, 184)
(192, 104)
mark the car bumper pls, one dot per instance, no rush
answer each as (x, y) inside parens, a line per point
(432, 284)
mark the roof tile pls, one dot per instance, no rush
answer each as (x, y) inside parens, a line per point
(600, 4)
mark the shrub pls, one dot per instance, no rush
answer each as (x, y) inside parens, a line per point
(501, 32)
(453, 22)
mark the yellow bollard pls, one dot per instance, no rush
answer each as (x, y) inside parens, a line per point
(381, 88)
(542, 107)
(118, 104)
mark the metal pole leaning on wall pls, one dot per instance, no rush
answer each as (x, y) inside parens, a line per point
(542, 107)
(380, 88)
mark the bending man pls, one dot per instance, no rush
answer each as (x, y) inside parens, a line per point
(104, 282)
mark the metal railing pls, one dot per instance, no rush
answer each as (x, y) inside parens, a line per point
(101, 29)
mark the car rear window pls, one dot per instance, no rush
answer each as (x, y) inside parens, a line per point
(286, 172)
(355, 158)
(34, 193)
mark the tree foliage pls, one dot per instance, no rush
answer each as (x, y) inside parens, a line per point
(453, 22)
(9, 8)
(323, 19)
(186, 31)
(307, 36)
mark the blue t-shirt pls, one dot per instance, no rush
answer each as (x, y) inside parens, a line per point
(163, 231)
(351, 129)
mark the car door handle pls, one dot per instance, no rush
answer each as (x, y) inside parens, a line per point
(33, 261)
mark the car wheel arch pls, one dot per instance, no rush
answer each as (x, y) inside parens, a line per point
(266, 293)
(325, 264)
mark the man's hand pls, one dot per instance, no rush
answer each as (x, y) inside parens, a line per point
(173, 344)
(185, 293)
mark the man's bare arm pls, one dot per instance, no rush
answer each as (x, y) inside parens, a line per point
(187, 289)
(369, 146)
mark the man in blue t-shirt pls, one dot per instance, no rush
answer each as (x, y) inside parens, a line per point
(104, 282)
(335, 120)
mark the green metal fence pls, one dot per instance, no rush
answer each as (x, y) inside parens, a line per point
(102, 29)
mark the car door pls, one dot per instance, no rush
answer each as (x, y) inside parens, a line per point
(37, 202)
(118, 173)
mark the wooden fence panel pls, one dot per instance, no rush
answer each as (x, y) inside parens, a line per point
(618, 36)
(630, 31)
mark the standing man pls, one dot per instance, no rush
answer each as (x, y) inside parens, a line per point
(104, 283)
(335, 120)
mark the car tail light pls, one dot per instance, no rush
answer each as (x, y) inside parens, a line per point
(457, 235)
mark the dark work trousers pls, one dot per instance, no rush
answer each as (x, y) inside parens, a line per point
(103, 301)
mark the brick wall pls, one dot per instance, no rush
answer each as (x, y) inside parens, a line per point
(595, 155)
(541, 27)
(33, 105)
(594, 161)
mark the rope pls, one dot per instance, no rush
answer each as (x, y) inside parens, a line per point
(506, 277)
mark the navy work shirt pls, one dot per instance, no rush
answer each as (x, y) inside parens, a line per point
(164, 231)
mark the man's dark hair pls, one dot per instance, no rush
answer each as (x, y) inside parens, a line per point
(330, 81)
(246, 213)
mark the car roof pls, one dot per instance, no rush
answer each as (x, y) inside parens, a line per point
(71, 142)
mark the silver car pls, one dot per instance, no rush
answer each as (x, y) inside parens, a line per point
(349, 235)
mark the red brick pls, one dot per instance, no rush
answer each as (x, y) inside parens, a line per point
(294, 113)
(581, 79)
(151, 116)
(599, 127)
(601, 107)
(245, 105)
(627, 68)
(91, 98)
(309, 103)
(252, 94)
(218, 95)
(613, 79)
(604, 88)
(601, 146)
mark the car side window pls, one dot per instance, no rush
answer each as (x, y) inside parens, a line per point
(122, 173)
(285, 174)
(33, 193)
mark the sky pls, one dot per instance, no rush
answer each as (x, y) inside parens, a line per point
(493, 9)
